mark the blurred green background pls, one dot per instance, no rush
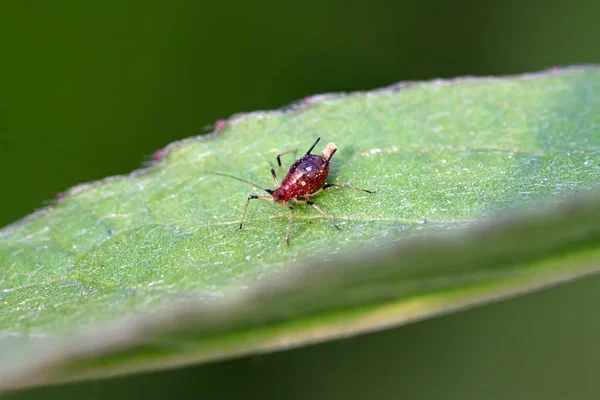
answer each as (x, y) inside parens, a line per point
(541, 346)
(92, 89)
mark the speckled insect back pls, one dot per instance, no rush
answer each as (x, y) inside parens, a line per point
(306, 175)
(304, 179)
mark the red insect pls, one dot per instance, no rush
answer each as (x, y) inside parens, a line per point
(304, 179)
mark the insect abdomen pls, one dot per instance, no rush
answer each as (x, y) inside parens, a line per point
(305, 176)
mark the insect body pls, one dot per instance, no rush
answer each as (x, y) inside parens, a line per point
(305, 178)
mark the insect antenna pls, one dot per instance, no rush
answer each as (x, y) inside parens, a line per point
(313, 146)
(241, 180)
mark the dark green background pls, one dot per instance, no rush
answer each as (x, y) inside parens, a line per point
(91, 89)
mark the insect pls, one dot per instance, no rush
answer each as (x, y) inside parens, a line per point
(305, 179)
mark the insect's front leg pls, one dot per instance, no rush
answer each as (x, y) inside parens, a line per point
(275, 177)
(252, 197)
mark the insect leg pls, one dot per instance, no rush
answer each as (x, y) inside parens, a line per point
(310, 203)
(275, 177)
(289, 228)
(251, 197)
(279, 160)
(330, 185)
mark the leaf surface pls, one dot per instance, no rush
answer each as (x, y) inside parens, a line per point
(149, 270)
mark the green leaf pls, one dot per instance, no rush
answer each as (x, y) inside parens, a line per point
(149, 270)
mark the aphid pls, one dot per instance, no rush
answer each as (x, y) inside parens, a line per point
(305, 178)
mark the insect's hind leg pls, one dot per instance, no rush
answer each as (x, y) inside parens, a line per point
(252, 197)
(316, 207)
(330, 185)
